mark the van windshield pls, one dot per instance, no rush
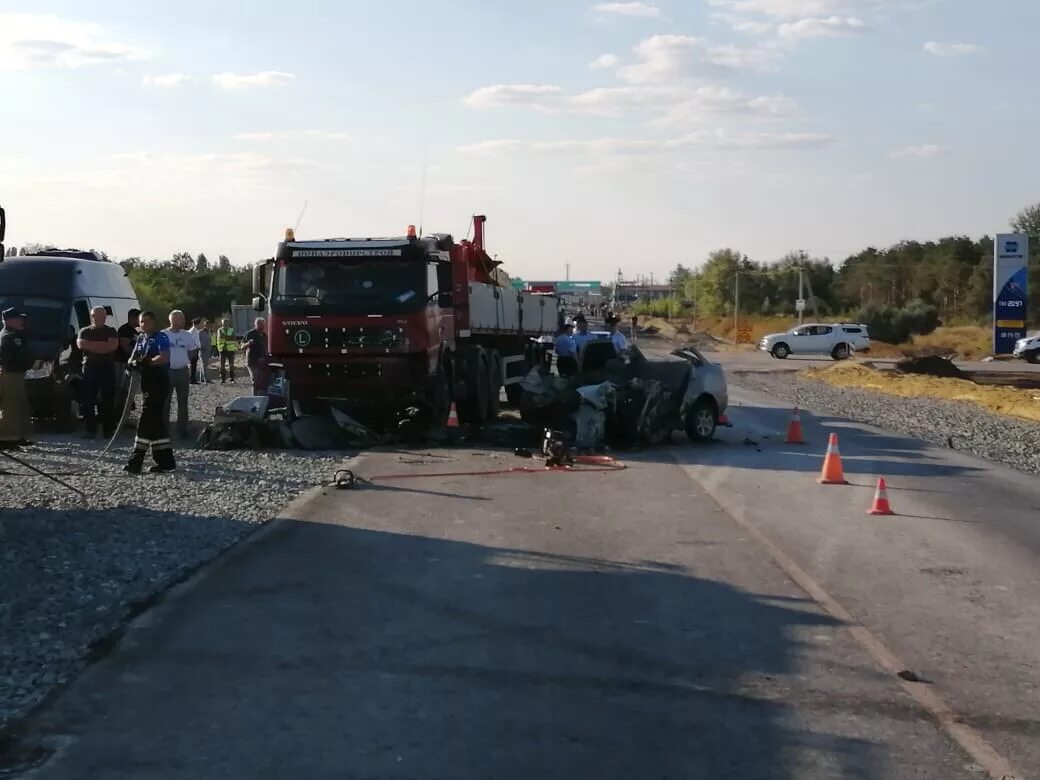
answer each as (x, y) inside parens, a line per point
(46, 316)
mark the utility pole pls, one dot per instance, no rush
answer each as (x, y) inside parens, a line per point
(736, 303)
(568, 267)
(801, 285)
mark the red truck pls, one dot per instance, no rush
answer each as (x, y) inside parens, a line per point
(387, 328)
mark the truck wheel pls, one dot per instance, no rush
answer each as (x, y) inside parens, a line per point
(473, 409)
(494, 384)
(440, 399)
(701, 421)
(781, 351)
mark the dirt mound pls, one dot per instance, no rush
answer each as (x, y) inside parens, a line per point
(931, 365)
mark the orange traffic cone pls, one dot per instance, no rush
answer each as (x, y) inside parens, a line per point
(881, 505)
(833, 473)
(453, 417)
(794, 429)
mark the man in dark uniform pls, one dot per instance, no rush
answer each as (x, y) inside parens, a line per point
(15, 422)
(151, 356)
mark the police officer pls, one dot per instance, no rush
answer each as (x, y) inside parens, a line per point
(151, 356)
(15, 423)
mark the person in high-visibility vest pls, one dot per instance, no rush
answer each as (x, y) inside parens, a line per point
(227, 346)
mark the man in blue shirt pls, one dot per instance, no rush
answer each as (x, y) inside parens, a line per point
(583, 334)
(151, 356)
(566, 351)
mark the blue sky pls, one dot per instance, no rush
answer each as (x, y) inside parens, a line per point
(635, 134)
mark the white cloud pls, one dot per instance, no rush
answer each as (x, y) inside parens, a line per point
(670, 103)
(951, 49)
(669, 58)
(644, 10)
(49, 41)
(712, 101)
(166, 80)
(718, 139)
(822, 27)
(922, 150)
(604, 62)
(742, 25)
(529, 95)
(271, 136)
(801, 9)
(266, 78)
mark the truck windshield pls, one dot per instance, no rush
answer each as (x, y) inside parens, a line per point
(46, 315)
(375, 287)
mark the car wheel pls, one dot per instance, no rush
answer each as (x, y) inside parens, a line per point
(781, 351)
(702, 420)
(1033, 356)
(841, 352)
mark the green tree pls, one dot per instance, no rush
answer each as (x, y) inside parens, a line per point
(201, 263)
(1028, 221)
(223, 263)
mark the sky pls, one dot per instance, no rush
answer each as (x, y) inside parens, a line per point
(603, 136)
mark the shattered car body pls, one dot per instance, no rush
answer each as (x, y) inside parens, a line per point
(684, 391)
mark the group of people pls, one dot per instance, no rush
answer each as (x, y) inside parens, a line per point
(574, 334)
(102, 358)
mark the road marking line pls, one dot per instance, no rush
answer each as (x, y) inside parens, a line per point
(973, 743)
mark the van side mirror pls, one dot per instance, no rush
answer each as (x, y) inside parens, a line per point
(258, 303)
(445, 300)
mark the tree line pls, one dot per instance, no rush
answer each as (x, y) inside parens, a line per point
(952, 276)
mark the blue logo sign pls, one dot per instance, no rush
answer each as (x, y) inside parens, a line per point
(1010, 246)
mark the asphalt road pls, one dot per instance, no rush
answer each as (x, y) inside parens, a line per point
(710, 612)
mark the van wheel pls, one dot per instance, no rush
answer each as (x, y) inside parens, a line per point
(841, 352)
(781, 351)
(66, 410)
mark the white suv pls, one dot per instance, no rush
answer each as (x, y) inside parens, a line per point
(838, 341)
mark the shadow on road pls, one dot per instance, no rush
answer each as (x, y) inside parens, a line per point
(324, 651)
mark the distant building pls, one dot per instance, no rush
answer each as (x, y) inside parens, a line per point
(631, 292)
(570, 293)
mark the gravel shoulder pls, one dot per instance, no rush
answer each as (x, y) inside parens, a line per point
(963, 426)
(72, 569)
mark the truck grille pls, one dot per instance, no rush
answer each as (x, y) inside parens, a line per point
(346, 338)
(345, 370)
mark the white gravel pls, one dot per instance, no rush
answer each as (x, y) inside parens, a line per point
(72, 569)
(967, 427)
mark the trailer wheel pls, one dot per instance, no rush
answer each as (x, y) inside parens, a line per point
(473, 409)
(494, 384)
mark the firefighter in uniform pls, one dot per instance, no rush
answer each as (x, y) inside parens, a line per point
(15, 422)
(151, 356)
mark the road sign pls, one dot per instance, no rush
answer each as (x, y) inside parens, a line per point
(799, 305)
(1010, 287)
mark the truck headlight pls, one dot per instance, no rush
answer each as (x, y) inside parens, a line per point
(42, 372)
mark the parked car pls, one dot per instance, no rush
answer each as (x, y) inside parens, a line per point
(838, 340)
(57, 289)
(1028, 349)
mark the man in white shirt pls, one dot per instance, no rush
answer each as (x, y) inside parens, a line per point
(196, 331)
(617, 338)
(182, 343)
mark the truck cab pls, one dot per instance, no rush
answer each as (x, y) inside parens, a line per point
(357, 321)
